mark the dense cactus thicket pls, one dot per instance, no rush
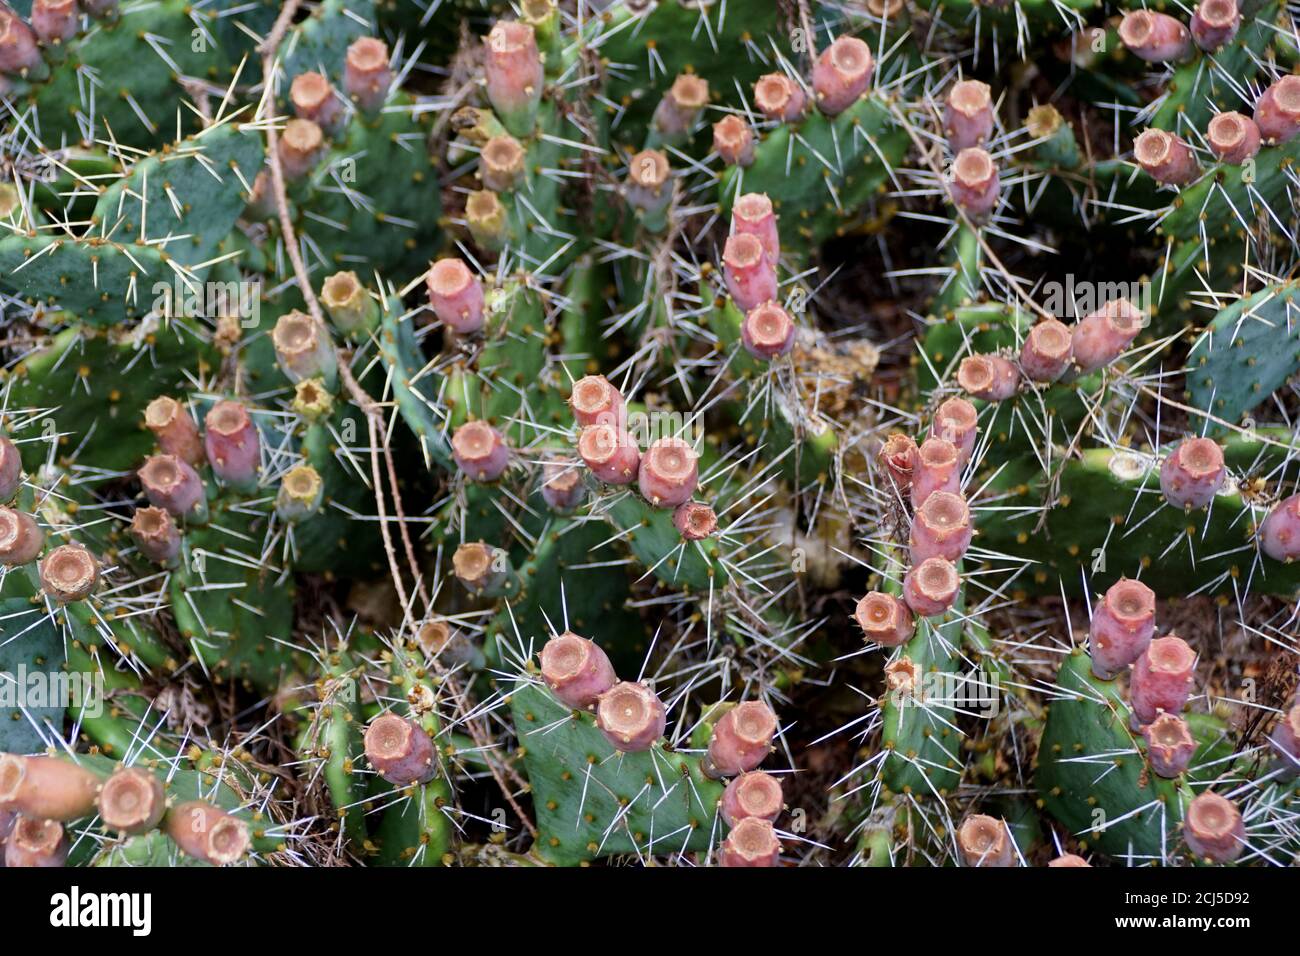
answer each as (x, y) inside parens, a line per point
(679, 432)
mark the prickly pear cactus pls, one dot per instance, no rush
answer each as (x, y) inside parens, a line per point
(677, 433)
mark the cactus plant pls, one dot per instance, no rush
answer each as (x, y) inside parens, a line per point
(686, 433)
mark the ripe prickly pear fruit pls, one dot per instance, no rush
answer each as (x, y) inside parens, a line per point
(207, 833)
(1047, 351)
(742, 737)
(21, 539)
(884, 619)
(938, 468)
(132, 801)
(1193, 473)
(767, 332)
(480, 567)
(733, 141)
(681, 106)
(1279, 534)
(595, 399)
(1162, 679)
(630, 716)
(400, 751)
(1170, 745)
(753, 215)
(35, 843)
(1277, 112)
(456, 295)
(232, 444)
(968, 115)
(985, 842)
(313, 99)
(749, 273)
(988, 377)
(1165, 157)
(513, 67)
(69, 573)
(1102, 336)
(1213, 828)
(695, 520)
(576, 670)
(779, 98)
(156, 535)
(751, 843)
(931, 586)
(480, 451)
(1123, 623)
(754, 795)
(11, 469)
(1215, 23)
(841, 74)
(562, 487)
(1285, 739)
(171, 484)
(898, 453)
(1233, 138)
(957, 421)
(669, 473)
(610, 453)
(175, 429)
(1155, 37)
(974, 185)
(941, 528)
(47, 788)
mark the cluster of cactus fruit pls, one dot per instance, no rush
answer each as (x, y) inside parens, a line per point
(564, 431)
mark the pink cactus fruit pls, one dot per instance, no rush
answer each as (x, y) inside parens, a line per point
(695, 521)
(232, 444)
(938, 468)
(1155, 37)
(46, 788)
(69, 573)
(941, 528)
(156, 534)
(669, 473)
(576, 670)
(733, 140)
(1165, 157)
(1170, 745)
(132, 801)
(366, 73)
(610, 453)
(313, 99)
(456, 295)
(973, 184)
(1279, 534)
(171, 484)
(742, 737)
(957, 421)
(930, 587)
(300, 148)
(985, 842)
(35, 843)
(884, 619)
(898, 453)
(21, 539)
(175, 429)
(1213, 828)
(841, 74)
(1233, 138)
(18, 49)
(1102, 336)
(767, 332)
(988, 377)
(1285, 739)
(681, 106)
(1193, 473)
(207, 833)
(751, 843)
(55, 21)
(480, 451)
(562, 487)
(630, 716)
(749, 273)
(1070, 859)
(1215, 23)
(513, 67)
(779, 98)
(480, 566)
(1162, 679)
(1123, 623)
(303, 348)
(1277, 112)
(400, 750)
(11, 469)
(753, 215)
(755, 795)
(968, 115)
(1047, 351)
(595, 399)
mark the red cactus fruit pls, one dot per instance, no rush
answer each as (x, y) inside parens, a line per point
(1233, 138)
(1047, 351)
(742, 737)
(1123, 623)
(480, 451)
(841, 74)
(985, 842)
(21, 539)
(1170, 745)
(1165, 157)
(1213, 828)
(576, 670)
(1155, 37)
(1103, 335)
(884, 619)
(968, 115)
(941, 528)
(988, 377)
(610, 453)
(630, 716)
(456, 295)
(669, 473)
(1162, 679)
(938, 468)
(1193, 473)
(175, 429)
(207, 833)
(400, 750)
(931, 586)
(749, 273)
(779, 98)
